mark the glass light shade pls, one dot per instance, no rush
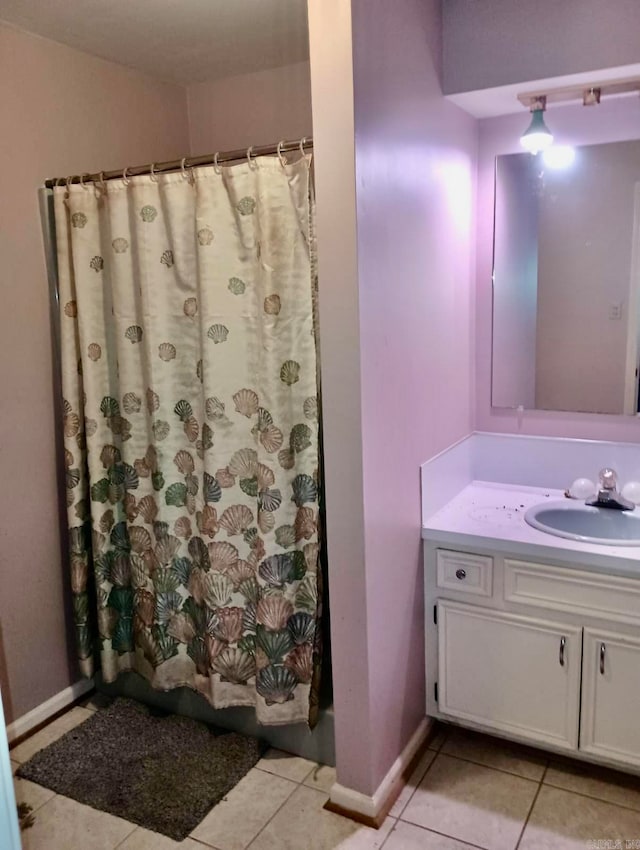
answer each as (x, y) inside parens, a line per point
(538, 136)
(559, 157)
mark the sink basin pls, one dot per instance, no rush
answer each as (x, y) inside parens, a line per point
(577, 521)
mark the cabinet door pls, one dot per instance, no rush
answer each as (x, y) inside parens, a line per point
(611, 696)
(9, 830)
(519, 675)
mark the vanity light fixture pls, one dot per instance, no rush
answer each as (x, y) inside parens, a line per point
(537, 137)
(558, 157)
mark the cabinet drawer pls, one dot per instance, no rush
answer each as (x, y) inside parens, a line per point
(575, 591)
(465, 572)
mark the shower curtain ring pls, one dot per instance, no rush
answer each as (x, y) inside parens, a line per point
(303, 142)
(251, 159)
(82, 176)
(124, 176)
(152, 172)
(216, 167)
(187, 175)
(99, 186)
(282, 159)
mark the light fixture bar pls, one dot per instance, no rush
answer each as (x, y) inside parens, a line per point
(580, 92)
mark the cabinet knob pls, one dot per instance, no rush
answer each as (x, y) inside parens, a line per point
(603, 650)
(461, 574)
(563, 643)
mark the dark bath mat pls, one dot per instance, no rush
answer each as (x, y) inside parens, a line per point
(161, 771)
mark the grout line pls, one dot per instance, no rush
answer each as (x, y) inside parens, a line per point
(316, 767)
(281, 806)
(531, 807)
(280, 776)
(391, 831)
(389, 834)
(428, 768)
(307, 776)
(549, 762)
(128, 835)
(42, 805)
(445, 737)
(592, 797)
(435, 750)
(491, 767)
(444, 835)
(201, 842)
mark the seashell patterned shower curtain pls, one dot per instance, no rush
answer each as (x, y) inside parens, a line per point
(191, 431)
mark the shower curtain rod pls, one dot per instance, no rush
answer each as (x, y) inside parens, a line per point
(187, 162)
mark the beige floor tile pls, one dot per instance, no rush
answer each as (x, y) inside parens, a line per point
(494, 752)
(286, 765)
(304, 824)
(595, 782)
(406, 836)
(63, 824)
(24, 751)
(144, 839)
(29, 792)
(472, 803)
(568, 821)
(238, 818)
(412, 783)
(322, 777)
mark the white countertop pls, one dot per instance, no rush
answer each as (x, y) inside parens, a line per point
(490, 516)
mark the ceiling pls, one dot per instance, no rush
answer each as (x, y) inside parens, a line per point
(181, 41)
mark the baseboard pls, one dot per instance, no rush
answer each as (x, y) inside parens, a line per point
(46, 710)
(372, 810)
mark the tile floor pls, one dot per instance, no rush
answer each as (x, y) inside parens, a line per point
(468, 791)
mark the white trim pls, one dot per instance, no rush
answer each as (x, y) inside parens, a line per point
(633, 306)
(503, 100)
(572, 591)
(371, 806)
(41, 713)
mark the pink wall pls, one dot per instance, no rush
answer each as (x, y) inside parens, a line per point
(615, 119)
(396, 354)
(63, 111)
(415, 170)
(250, 109)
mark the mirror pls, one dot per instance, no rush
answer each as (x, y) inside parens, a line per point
(566, 279)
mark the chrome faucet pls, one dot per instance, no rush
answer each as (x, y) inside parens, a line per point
(608, 495)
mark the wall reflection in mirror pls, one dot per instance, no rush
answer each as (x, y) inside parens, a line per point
(566, 279)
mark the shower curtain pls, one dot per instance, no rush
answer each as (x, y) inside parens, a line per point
(191, 431)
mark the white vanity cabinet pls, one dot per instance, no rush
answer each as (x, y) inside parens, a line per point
(611, 696)
(537, 660)
(543, 653)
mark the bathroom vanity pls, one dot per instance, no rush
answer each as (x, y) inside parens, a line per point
(528, 636)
